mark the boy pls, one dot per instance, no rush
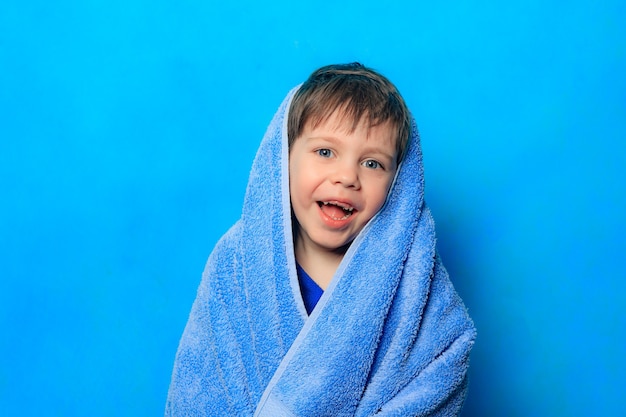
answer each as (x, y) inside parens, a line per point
(327, 297)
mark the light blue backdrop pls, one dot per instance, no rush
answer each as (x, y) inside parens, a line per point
(127, 129)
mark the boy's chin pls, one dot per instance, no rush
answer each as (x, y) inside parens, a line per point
(337, 248)
(334, 248)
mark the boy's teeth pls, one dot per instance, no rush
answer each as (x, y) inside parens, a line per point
(350, 209)
(336, 211)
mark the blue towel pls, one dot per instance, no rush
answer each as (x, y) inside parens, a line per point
(389, 336)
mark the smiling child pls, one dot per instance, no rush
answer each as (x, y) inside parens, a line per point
(327, 297)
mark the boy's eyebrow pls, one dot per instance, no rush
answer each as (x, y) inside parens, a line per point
(373, 149)
(329, 139)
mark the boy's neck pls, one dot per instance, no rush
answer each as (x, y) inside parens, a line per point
(320, 264)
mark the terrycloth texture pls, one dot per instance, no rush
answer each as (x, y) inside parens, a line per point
(389, 337)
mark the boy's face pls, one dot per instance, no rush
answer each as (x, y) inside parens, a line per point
(339, 180)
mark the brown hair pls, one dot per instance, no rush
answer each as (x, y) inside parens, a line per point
(359, 92)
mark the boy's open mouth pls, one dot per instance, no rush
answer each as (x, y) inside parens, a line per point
(336, 210)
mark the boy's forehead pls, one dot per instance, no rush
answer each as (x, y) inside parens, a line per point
(340, 121)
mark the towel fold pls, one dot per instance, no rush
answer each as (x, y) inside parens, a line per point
(389, 336)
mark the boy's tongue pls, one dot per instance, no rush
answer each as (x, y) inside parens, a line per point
(333, 211)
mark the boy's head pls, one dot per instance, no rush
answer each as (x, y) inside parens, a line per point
(359, 93)
(348, 129)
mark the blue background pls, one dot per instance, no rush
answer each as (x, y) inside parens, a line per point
(127, 129)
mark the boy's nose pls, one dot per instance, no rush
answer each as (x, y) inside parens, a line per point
(347, 176)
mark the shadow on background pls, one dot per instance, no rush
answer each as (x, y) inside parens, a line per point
(454, 231)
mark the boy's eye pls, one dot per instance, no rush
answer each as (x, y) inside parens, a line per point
(372, 164)
(325, 153)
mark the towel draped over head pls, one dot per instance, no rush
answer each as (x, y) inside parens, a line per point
(389, 337)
